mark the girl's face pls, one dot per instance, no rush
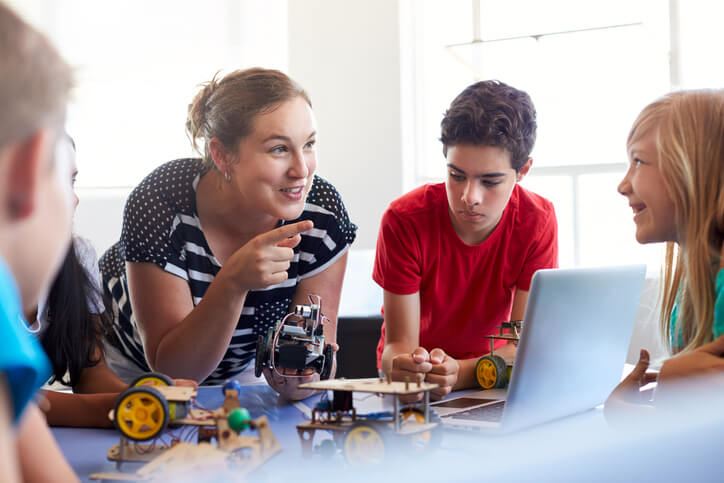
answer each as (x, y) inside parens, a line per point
(480, 180)
(277, 160)
(647, 196)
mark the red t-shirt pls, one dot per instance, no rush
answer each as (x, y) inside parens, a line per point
(465, 290)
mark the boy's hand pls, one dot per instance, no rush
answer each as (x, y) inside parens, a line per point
(409, 367)
(444, 372)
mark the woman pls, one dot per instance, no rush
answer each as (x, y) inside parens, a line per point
(675, 186)
(216, 250)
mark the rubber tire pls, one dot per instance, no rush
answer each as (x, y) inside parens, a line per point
(435, 433)
(326, 371)
(152, 393)
(501, 369)
(162, 378)
(360, 458)
(260, 358)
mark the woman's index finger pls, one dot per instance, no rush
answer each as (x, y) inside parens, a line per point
(286, 231)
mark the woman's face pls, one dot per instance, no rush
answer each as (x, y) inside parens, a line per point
(644, 188)
(277, 160)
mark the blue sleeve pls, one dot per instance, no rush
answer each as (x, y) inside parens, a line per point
(22, 359)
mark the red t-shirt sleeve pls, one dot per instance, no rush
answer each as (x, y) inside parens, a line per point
(398, 260)
(542, 252)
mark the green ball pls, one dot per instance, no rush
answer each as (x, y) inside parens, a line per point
(238, 419)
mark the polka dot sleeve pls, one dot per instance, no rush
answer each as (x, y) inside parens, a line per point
(152, 209)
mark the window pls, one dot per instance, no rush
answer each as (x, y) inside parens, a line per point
(138, 64)
(589, 72)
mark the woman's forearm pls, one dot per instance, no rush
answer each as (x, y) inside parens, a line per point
(194, 348)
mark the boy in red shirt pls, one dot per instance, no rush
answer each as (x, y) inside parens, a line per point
(456, 259)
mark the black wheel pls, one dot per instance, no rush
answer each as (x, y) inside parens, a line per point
(327, 448)
(491, 372)
(260, 358)
(141, 413)
(326, 371)
(365, 444)
(270, 347)
(154, 379)
(424, 441)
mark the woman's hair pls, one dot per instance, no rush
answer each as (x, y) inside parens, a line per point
(688, 130)
(491, 113)
(73, 332)
(225, 108)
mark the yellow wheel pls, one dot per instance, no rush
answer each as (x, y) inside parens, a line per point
(141, 413)
(491, 372)
(423, 440)
(364, 445)
(154, 379)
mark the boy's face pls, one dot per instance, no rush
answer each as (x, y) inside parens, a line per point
(480, 180)
(46, 231)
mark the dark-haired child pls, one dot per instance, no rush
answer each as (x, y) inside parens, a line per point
(456, 259)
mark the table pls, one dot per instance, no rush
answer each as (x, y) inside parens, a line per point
(580, 447)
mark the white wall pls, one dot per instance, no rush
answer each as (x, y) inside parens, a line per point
(346, 55)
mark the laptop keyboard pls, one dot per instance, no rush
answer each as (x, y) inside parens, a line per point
(491, 412)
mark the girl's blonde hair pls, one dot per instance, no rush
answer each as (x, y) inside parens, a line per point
(688, 130)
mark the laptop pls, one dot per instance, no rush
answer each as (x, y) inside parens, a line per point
(576, 332)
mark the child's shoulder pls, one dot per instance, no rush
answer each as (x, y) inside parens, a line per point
(421, 201)
(530, 204)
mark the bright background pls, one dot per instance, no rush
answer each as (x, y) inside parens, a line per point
(380, 74)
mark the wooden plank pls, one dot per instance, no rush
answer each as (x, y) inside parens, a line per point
(373, 385)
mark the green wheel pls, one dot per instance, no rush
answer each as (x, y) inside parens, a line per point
(491, 371)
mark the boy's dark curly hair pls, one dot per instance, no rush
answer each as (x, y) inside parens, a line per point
(492, 113)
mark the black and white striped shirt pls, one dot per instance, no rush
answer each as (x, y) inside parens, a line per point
(161, 226)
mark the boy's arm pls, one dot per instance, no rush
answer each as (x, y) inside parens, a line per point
(39, 455)
(520, 300)
(402, 334)
(8, 456)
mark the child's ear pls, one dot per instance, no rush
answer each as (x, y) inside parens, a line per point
(25, 161)
(524, 169)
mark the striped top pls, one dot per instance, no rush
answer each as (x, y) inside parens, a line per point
(161, 226)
